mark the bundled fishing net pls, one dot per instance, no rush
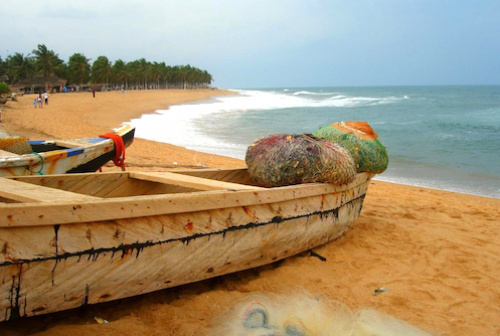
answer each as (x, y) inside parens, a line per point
(285, 159)
(361, 141)
(304, 315)
(14, 144)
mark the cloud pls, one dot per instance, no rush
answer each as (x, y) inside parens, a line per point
(307, 41)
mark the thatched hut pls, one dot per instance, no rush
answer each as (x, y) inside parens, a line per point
(37, 84)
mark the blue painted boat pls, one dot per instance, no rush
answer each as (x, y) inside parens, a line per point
(68, 156)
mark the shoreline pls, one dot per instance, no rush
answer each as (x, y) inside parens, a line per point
(206, 126)
(457, 191)
(437, 251)
(78, 115)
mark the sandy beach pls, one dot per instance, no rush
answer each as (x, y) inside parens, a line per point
(436, 252)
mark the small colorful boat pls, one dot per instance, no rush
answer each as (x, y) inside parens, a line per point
(76, 239)
(68, 156)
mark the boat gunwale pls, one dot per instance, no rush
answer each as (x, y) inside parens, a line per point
(103, 209)
(35, 158)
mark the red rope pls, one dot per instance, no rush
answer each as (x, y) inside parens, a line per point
(119, 159)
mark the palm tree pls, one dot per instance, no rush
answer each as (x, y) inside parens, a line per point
(101, 70)
(121, 73)
(79, 69)
(181, 76)
(175, 76)
(133, 72)
(47, 62)
(143, 69)
(20, 67)
(128, 74)
(139, 72)
(207, 78)
(156, 72)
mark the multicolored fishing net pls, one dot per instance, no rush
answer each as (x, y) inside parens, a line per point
(286, 159)
(361, 142)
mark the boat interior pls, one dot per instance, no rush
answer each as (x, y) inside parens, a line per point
(67, 187)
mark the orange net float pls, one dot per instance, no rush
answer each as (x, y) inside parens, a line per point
(360, 140)
(360, 128)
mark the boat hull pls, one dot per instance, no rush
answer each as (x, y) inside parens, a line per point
(64, 156)
(57, 267)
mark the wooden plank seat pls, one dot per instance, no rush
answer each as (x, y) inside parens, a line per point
(189, 181)
(27, 192)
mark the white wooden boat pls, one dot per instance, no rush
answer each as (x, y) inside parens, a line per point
(76, 239)
(65, 156)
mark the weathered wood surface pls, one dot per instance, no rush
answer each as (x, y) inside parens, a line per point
(59, 266)
(27, 192)
(75, 153)
(71, 144)
(189, 181)
(156, 203)
(6, 153)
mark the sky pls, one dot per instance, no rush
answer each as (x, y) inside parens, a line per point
(274, 43)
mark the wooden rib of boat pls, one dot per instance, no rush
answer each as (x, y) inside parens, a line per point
(76, 239)
(64, 156)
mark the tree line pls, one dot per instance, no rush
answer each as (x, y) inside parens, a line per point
(79, 70)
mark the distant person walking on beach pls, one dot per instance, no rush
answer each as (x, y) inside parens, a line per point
(93, 93)
(46, 97)
(123, 90)
(39, 100)
(34, 102)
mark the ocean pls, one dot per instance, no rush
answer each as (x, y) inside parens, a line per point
(442, 137)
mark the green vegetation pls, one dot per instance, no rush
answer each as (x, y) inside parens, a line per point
(78, 69)
(45, 64)
(4, 88)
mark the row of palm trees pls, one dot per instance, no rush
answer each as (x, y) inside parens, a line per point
(20, 69)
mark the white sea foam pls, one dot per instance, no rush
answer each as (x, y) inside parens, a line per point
(269, 100)
(298, 93)
(180, 125)
(406, 119)
(177, 126)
